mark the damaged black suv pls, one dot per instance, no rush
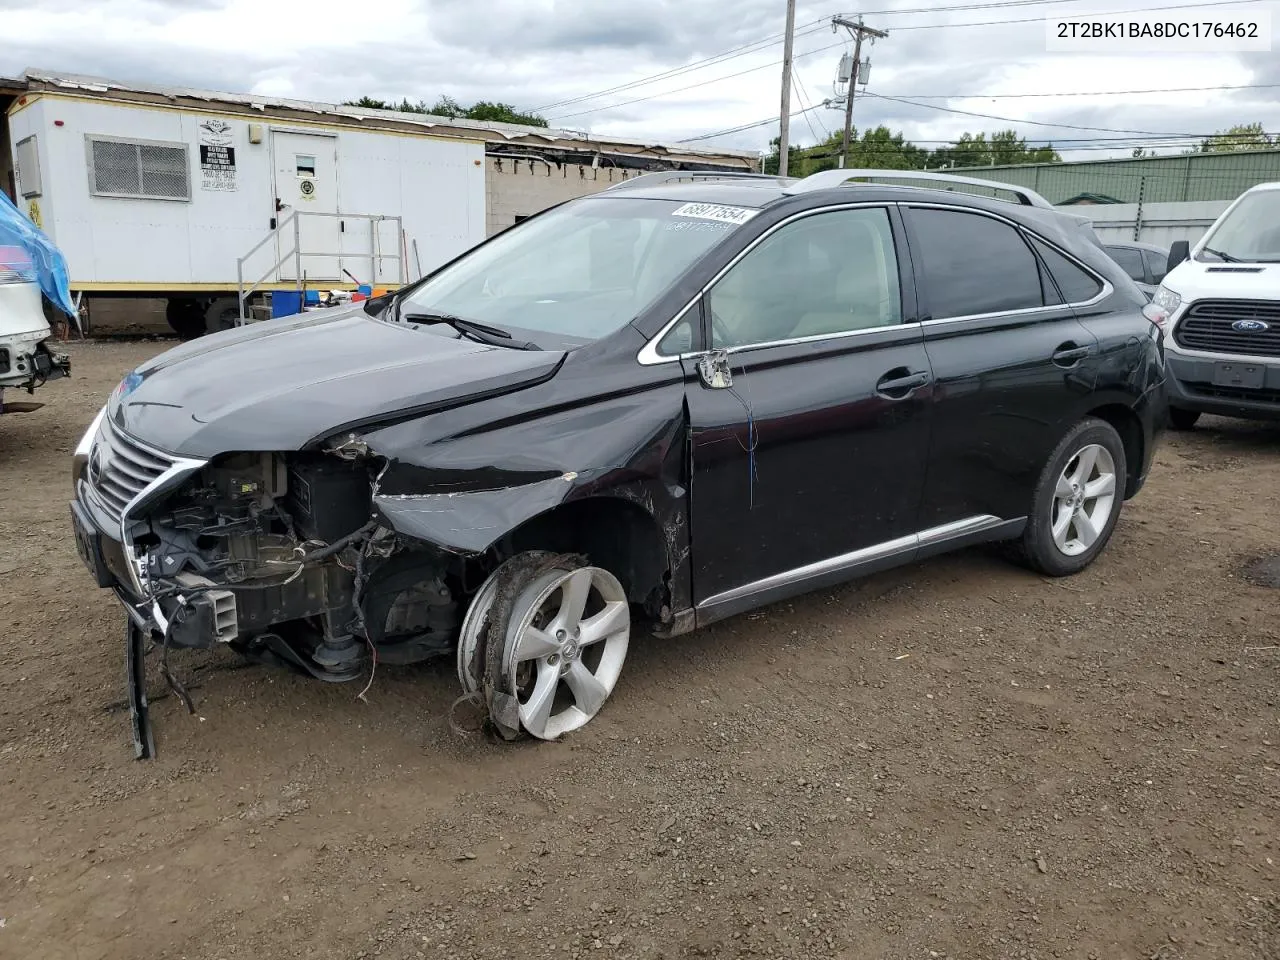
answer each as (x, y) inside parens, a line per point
(654, 407)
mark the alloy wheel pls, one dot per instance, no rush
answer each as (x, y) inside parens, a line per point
(1083, 500)
(566, 643)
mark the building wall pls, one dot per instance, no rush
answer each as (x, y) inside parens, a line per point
(1160, 223)
(436, 185)
(521, 188)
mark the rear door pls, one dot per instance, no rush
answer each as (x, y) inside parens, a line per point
(1010, 360)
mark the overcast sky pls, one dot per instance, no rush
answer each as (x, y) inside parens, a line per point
(539, 53)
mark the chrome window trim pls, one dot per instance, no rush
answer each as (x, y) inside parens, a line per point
(913, 541)
(1107, 287)
(649, 355)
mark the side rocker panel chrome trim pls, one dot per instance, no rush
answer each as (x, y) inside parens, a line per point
(844, 566)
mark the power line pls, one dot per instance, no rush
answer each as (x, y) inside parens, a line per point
(1035, 123)
(1081, 93)
(805, 100)
(693, 86)
(1091, 14)
(804, 29)
(822, 49)
(748, 126)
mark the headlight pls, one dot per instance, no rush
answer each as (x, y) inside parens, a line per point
(80, 459)
(1166, 299)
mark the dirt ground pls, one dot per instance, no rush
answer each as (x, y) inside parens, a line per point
(957, 759)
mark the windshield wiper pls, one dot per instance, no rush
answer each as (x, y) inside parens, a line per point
(1225, 257)
(480, 332)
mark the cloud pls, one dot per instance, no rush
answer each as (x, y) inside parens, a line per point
(540, 53)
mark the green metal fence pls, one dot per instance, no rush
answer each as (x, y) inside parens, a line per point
(1199, 176)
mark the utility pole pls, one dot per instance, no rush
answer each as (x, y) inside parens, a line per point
(858, 30)
(784, 135)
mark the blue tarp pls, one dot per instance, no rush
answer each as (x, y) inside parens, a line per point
(49, 265)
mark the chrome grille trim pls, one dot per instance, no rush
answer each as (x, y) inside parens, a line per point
(122, 473)
(1206, 327)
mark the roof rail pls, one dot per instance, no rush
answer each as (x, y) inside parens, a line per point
(827, 179)
(672, 176)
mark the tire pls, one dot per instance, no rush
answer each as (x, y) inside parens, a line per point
(222, 314)
(1071, 550)
(1183, 419)
(544, 662)
(186, 318)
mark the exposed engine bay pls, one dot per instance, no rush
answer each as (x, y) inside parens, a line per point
(281, 557)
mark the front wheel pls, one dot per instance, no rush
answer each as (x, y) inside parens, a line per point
(551, 633)
(1181, 419)
(1077, 501)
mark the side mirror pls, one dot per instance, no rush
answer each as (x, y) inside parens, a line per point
(713, 370)
(1181, 250)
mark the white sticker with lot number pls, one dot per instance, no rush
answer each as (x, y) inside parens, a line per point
(715, 211)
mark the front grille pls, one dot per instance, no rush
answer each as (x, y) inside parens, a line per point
(4, 360)
(120, 468)
(1207, 326)
(1233, 393)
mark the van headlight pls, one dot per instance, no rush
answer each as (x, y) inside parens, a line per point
(1166, 299)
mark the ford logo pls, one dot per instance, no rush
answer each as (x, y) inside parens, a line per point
(1250, 326)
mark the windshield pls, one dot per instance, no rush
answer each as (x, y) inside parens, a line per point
(582, 270)
(1250, 232)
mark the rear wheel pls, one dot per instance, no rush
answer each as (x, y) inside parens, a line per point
(186, 318)
(222, 314)
(1183, 419)
(1077, 501)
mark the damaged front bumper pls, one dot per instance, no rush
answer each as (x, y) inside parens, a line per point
(28, 361)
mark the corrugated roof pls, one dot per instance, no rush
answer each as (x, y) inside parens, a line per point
(550, 137)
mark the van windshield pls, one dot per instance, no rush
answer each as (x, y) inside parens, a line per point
(1249, 233)
(582, 270)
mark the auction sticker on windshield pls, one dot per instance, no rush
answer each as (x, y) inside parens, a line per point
(715, 211)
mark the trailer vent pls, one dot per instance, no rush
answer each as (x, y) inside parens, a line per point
(141, 169)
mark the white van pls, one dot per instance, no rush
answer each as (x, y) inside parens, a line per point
(1220, 307)
(25, 358)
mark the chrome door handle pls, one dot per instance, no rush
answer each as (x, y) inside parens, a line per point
(896, 385)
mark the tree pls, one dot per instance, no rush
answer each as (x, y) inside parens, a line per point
(1005, 148)
(1243, 136)
(482, 110)
(879, 149)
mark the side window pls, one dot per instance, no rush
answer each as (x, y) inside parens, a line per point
(679, 339)
(1130, 261)
(1076, 285)
(1156, 263)
(974, 264)
(828, 273)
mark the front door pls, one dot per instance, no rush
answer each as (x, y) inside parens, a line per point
(306, 182)
(1013, 365)
(810, 463)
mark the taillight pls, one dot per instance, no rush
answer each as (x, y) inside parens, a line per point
(16, 266)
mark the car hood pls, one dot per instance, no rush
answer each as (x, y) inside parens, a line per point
(281, 384)
(1196, 280)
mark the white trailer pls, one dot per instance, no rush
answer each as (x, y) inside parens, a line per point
(210, 203)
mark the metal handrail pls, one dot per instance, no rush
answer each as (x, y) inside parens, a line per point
(374, 255)
(827, 179)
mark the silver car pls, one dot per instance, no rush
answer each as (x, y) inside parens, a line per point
(1145, 263)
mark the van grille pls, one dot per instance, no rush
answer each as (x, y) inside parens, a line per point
(1207, 326)
(120, 468)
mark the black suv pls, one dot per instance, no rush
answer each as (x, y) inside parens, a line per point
(661, 405)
